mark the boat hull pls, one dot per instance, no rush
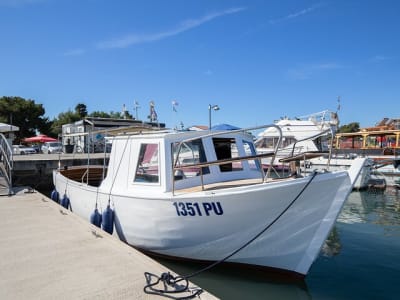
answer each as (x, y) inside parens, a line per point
(210, 225)
(339, 164)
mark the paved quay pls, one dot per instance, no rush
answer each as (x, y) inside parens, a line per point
(47, 252)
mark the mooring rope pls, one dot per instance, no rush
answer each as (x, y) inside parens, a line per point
(117, 171)
(169, 280)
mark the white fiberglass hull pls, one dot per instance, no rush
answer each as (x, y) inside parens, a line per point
(389, 173)
(362, 179)
(209, 225)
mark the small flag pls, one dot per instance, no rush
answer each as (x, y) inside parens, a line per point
(153, 114)
(174, 105)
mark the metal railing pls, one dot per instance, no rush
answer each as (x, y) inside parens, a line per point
(329, 131)
(176, 166)
(6, 160)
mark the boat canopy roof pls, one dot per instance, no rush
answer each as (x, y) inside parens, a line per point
(177, 136)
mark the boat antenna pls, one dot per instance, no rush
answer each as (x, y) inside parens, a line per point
(136, 107)
(335, 115)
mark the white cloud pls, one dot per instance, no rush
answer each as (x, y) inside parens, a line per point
(74, 52)
(307, 71)
(296, 14)
(326, 66)
(298, 74)
(132, 39)
(379, 58)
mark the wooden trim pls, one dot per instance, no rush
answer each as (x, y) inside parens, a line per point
(302, 156)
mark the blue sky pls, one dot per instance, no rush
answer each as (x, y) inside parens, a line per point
(258, 60)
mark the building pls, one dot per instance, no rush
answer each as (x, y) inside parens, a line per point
(385, 135)
(88, 134)
(8, 131)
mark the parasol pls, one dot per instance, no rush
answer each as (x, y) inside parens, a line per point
(224, 127)
(41, 138)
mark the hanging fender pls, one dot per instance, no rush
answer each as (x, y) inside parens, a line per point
(54, 195)
(65, 201)
(95, 218)
(108, 220)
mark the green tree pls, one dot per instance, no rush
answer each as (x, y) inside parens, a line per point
(127, 115)
(111, 114)
(99, 114)
(351, 127)
(81, 110)
(25, 114)
(64, 118)
(115, 114)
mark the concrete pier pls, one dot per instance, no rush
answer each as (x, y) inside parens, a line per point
(36, 170)
(47, 252)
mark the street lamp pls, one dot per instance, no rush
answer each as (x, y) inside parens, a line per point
(211, 107)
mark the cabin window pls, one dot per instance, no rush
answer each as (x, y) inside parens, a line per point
(148, 164)
(323, 143)
(226, 148)
(190, 154)
(287, 141)
(266, 142)
(272, 142)
(249, 150)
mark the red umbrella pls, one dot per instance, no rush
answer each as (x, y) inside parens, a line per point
(41, 138)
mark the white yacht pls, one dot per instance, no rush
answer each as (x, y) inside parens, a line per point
(306, 145)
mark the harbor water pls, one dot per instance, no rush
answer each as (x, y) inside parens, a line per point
(360, 260)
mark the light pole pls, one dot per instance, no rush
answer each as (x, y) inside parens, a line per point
(136, 108)
(211, 107)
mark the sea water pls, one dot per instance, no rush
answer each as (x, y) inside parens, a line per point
(360, 259)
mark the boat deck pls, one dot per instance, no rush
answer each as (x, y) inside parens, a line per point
(228, 184)
(303, 156)
(92, 174)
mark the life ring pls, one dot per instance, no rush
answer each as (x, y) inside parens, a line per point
(387, 151)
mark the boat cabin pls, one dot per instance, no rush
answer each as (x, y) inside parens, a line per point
(171, 161)
(304, 135)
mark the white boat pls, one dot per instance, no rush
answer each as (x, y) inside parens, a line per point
(203, 196)
(308, 137)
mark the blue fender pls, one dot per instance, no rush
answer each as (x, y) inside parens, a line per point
(65, 201)
(108, 220)
(95, 218)
(54, 195)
